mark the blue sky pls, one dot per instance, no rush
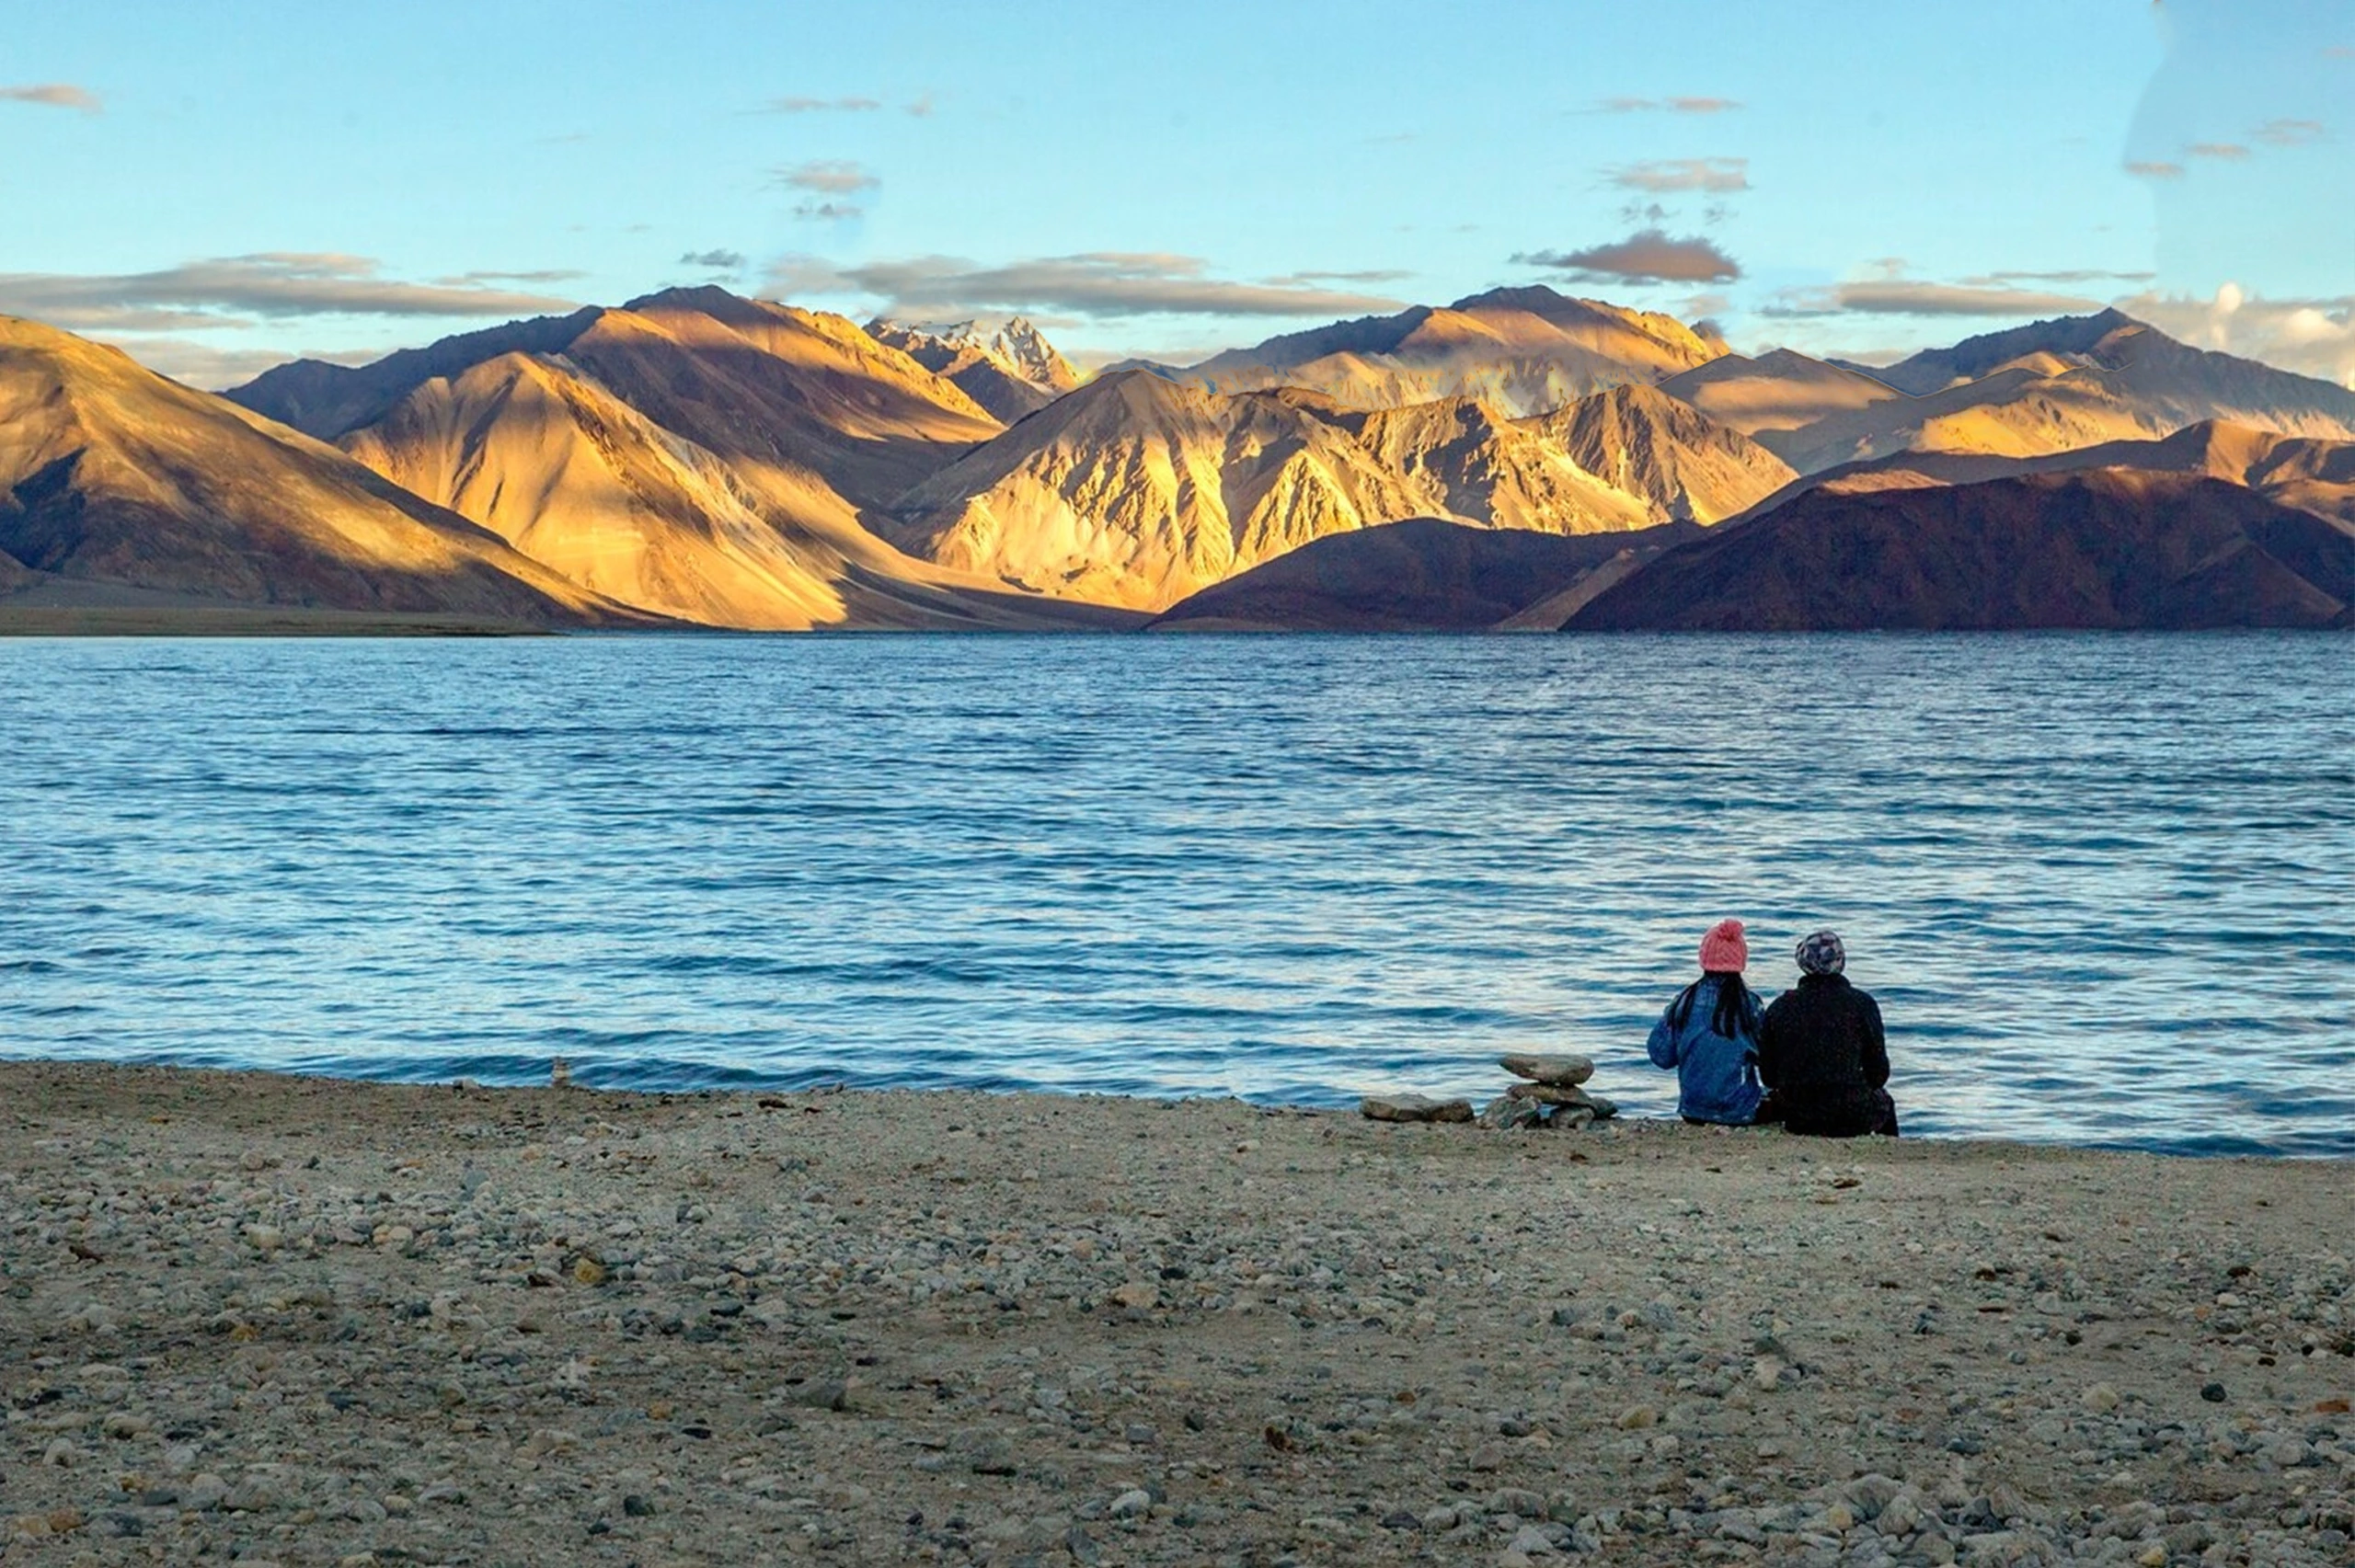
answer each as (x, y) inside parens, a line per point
(218, 186)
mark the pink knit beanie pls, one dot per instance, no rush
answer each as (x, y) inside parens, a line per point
(1723, 952)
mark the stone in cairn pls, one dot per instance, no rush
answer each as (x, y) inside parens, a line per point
(1548, 1096)
(1508, 1114)
(1413, 1108)
(1566, 1072)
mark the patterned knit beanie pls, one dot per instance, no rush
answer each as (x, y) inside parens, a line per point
(1822, 954)
(1723, 952)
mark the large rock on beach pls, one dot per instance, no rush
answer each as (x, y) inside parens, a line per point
(1564, 1071)
(1414, 1108)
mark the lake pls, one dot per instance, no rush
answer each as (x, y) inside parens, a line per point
(2100, 884)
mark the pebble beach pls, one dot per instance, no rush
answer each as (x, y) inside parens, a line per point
(294, 1320)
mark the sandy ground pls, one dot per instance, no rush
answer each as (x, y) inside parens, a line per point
(301, 1322)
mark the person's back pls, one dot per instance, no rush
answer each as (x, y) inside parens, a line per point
(1823, 1054)
(1710, 1035)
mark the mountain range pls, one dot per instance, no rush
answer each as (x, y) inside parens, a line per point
(2058, 386)
(693, 457)
(1138, 490)
(701, 456)
(1526, 350)
(2312, 475)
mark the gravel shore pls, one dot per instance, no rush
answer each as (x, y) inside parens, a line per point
(302, 1321)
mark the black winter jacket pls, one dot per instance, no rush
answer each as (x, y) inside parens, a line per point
(1823, 1054)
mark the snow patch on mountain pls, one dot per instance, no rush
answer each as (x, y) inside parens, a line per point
(1014, 346)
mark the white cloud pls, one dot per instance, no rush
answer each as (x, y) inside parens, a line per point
(920, 107)
(1368, 275)
(1097, 285)
(54, 95)
(824, 105)
(237, 291)
(1906, 297)
(2291, 132)
(1661, 175)
(1674, 106)
(829, 176)
(2070, 275)
(540, 275)
(2313, 336)
(1888, 292)
(1648, 256)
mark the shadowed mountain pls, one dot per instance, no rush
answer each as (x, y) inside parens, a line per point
(2065, 336)
(1011, 372)
(2062, 385)
(1641, 440)
(1781, 390)
(1525, 351)
(1139, 491)
(113, 477)
(324, 400)
(1424, 574)
(2107, 549)
(2297, 471)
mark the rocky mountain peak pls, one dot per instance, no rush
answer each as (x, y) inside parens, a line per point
(1015, 347)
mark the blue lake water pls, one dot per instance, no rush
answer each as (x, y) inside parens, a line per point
(2100, 884)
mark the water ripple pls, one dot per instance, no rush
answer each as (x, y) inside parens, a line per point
(2098, 883)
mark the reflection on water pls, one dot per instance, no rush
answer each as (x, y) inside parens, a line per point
(2099, 884)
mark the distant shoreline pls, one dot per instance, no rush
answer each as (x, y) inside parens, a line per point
(256, 621)
(277, 621)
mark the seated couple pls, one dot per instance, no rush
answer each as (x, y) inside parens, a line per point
(1814, 1062)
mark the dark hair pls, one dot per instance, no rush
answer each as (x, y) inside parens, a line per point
(1731, 1018)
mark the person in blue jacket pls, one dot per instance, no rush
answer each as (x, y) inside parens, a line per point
(1709, 1035)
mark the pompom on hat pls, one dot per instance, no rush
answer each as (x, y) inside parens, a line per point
(1822, 954)
(1723, 951)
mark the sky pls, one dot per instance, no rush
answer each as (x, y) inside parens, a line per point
(217, 188)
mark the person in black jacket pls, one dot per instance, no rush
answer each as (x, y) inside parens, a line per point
(1821, 1054)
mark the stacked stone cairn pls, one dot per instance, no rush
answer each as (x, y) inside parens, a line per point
(1549, 1093)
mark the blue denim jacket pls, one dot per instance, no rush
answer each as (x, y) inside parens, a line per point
(1716, 1079)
